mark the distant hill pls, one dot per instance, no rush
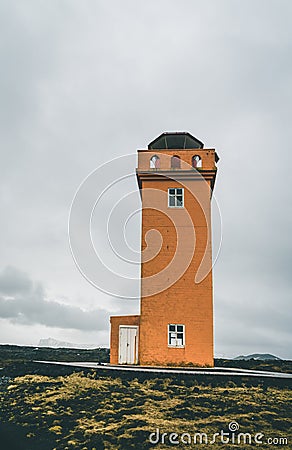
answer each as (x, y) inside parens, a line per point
(54, 343)
(258, 357)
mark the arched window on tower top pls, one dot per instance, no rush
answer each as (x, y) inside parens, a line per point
(155, 162)
(196, 161)
(175, 162)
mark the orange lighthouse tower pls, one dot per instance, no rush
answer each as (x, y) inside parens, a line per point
(176, 177)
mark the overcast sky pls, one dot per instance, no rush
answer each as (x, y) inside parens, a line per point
(83, 82)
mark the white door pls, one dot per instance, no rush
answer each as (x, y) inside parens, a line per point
(128, 345)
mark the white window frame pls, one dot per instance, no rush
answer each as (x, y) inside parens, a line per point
(172, 335)
(175, 195)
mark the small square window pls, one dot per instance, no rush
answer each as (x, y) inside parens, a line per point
(176, 197)
(176, 335)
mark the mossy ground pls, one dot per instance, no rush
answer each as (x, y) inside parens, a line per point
(46, 407)
(85, 411)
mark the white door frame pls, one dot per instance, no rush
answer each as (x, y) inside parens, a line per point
(135, 345)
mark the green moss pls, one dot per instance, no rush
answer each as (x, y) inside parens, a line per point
(86, 411)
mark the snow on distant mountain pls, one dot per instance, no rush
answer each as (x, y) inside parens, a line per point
(51, 342)
(258, 357)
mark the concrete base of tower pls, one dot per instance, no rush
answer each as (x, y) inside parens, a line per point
(175, 363)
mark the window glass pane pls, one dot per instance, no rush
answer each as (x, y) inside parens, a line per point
(180, 336)
(180, 328)
(172, 341)
(192, 143)
(175, 141)
(179, 342)
(179, 201)
(160, 143)
(171, 191)
(171, 327)
(179, 191)
(171, 201)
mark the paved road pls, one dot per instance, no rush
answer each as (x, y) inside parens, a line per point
(220, 371)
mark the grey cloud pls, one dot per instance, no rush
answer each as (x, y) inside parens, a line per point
(27, 305)
(249, 311)
(83, 82)
(14, 281)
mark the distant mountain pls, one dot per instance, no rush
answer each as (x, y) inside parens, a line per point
(51, 342)
(258, 357)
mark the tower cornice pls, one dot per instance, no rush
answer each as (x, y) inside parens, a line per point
(178, 175)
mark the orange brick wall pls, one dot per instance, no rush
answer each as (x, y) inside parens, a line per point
(185, 302)
(116, 321)
(207, 156)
